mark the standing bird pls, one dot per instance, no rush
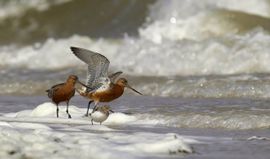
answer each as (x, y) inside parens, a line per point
(63, 92)
(100, 114)
(102, 88)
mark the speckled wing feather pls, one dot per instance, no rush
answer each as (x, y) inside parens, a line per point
(53, 89)
(97, 66)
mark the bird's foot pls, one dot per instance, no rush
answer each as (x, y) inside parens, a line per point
(69, 116)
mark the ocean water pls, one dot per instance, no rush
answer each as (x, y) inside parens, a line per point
(203, 68)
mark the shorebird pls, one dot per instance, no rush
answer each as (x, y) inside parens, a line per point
(63, 92)
(100, 114)
(103, 87)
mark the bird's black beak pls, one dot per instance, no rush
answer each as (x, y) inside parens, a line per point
(82, 84)
(128, 86)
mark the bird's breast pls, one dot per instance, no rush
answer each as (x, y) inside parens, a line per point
(98, 116)
(64, 93)
(109, 94)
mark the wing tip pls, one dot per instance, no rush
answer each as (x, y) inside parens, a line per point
(81, 53)
(74, 49)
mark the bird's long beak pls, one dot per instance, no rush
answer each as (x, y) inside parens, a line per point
(128, 86)
(82, 84)
(111, 111)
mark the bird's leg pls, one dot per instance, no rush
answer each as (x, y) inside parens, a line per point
(92, 121)
(95, 107)
(57, 111)
(100, 123)
(89, 103)
(69, 116)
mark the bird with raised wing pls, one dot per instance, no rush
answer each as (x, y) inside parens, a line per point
(63, 92)
(101, 86)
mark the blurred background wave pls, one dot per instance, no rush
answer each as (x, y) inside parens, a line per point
(214, 48)
(36, 21)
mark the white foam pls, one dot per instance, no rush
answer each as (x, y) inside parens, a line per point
(120, 118)
(186, 8)
(46, 113)
(248, 54)
(46, 56)
(3, 124)
(261, 7)
(45, 109)
(149, 143)
(187, 19)
(181, 38)
(32, 136)
(258, 138)
(30, 126)
(232, 54)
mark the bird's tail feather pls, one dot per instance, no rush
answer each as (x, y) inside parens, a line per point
(49, 93)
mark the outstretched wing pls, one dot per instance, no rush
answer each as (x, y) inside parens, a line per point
(97, 65)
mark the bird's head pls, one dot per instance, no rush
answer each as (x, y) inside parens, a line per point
(124, 83)
(72, 79)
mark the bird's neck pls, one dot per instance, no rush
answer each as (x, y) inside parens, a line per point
(119, 89)
(69, 84)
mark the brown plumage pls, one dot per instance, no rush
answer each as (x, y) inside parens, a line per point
(63, 92)
(114, 91)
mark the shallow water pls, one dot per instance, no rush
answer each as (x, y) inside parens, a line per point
(143, 117)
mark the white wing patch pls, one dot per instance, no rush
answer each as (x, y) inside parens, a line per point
(104, 87)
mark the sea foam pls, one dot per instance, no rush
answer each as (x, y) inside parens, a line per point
(236, 54)
(41, 132)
